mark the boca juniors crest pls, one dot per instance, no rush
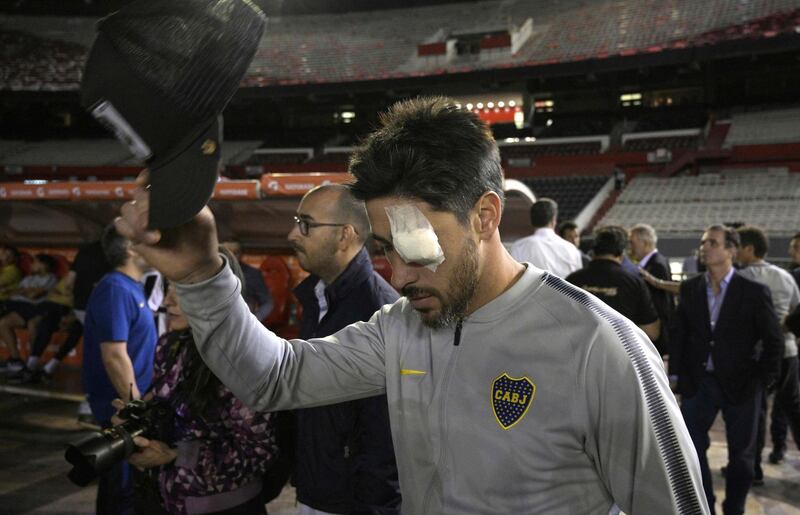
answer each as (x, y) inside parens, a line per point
(511, 398)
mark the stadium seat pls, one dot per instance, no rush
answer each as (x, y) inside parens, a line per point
(62, 265)
(25, 263)
(382, 266)
(276, 275)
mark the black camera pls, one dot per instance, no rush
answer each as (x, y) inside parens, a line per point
(99, 451)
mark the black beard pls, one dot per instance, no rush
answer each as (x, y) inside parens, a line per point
(463, 284)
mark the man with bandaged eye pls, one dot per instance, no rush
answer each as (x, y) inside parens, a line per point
(509, 390)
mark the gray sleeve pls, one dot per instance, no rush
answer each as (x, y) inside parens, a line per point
(269, 373)
(636, 434)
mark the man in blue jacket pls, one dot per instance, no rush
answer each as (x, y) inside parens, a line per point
(345, 459)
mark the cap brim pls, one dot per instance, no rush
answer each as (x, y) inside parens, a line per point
(182, 184)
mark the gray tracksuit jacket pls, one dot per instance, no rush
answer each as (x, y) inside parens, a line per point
(544, 400)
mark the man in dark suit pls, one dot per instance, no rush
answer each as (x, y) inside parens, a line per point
(718, 362)
(643, 240)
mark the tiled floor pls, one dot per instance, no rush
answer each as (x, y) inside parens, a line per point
(35, 430)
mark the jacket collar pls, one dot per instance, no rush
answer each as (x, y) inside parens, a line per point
(358, 270)
(730, 302)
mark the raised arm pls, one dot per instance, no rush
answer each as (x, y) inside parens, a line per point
(270, 373)
(265, 371)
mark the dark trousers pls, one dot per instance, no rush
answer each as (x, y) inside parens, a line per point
(741, 428)
(51, 314)
(115, 489)
(786, 408)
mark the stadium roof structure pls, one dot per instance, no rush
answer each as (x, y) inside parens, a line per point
(48, 53)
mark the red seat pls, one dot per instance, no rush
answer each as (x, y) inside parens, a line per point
(25, 263)
(62, 265)
(382, 266)
(276, 275)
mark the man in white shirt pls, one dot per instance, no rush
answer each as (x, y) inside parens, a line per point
(544, 248)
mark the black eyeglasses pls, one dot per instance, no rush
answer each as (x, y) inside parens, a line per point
(305, 225)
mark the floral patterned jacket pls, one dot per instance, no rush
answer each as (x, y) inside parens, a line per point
(228, 448)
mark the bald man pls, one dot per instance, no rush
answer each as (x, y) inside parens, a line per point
(345, 460)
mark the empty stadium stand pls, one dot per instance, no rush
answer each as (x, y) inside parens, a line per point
(655, 141)
(32, 63)
(97, 152)
(773, 126)
(572, 192)
(511, 152)
(280, 156)
(379, 45)
(686, 205)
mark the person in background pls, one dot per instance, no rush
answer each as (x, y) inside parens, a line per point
(345, 460)
(10, 274)
(22, 306)
(785, 298)
(214, 449)
(256, 291)
(643, 240)
(118, 347)
(568, 230)
(544, 249)
(794, 256)
(48, 315)
(88, 267)
(605, 278)
(726, 349)
(155, 289)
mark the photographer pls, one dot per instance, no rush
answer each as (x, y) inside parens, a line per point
(214, 450)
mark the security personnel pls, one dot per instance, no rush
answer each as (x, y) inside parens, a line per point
(605, 278)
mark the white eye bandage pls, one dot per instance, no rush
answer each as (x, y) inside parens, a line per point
(413, 237)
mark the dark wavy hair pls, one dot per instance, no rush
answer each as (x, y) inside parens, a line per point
(755, 236)
(201, 388)
(610, 240)
(432, 150)
(115, 246)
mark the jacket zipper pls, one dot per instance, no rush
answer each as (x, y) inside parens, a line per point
(442, 414)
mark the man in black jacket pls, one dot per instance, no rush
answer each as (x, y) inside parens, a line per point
(345, 459)
(643, 240)
(718, 362)
(605, 278)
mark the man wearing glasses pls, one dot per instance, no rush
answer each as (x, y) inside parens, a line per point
(344, 456)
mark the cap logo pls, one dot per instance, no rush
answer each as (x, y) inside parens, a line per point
(107, 114)
(208, 147)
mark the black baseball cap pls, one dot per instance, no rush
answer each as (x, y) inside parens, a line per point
(158, 76)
